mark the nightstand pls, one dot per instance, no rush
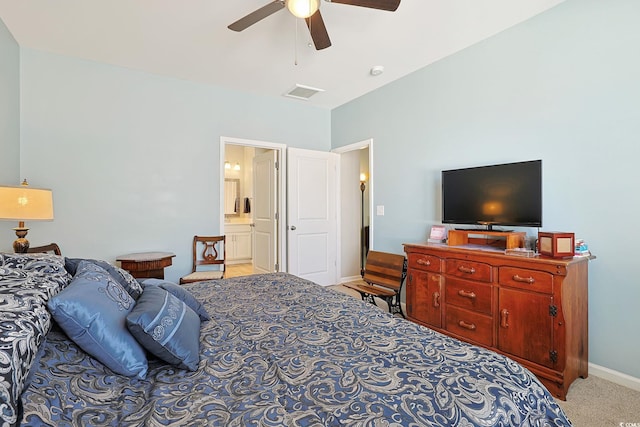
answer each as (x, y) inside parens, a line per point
(146, 264)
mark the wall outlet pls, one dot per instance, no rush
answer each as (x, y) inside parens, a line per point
(380, 210)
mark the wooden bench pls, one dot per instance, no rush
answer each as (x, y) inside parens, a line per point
(384, 274)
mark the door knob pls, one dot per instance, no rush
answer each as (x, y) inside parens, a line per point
(293, 227)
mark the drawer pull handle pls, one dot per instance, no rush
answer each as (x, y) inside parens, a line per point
(466, 294)
(469, 326)
(504, 318)
(423, 261)
(468, 270)
(529, 279)
(436, 299)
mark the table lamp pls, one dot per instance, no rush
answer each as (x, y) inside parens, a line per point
(23, 203)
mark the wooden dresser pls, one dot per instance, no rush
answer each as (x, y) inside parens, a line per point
(534, 310)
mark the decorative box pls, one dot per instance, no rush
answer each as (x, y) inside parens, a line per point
(556, 244)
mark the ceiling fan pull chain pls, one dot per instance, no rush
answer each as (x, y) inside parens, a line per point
(295, 45)
(310, 32)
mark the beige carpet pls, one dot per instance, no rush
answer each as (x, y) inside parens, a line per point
(595, 402)
(591, 402)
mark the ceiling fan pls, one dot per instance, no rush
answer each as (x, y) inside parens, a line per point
(310, 11)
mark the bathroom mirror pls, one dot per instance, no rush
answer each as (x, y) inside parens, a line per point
(231, 197)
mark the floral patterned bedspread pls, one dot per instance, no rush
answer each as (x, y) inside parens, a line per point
(26, 284)
(282, 351)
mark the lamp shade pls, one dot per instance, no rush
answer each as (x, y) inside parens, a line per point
(25, 203)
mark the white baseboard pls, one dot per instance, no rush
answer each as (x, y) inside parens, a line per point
(349, 279)
(614, 376)
(239, 261)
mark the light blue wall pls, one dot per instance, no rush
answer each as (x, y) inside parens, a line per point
(133, 158)
(9, 108)
(9, 117)
(563, 87)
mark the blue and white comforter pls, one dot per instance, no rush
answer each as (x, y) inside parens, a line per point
(26, 284)
(282, 351)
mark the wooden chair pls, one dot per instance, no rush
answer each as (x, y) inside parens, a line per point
(50, 248)
(207, 251)
(384, 274)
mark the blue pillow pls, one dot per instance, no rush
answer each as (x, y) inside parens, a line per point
(166, 327)
(123, 277)
(182, 294)
(92, 311)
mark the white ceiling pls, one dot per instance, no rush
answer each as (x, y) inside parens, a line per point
(189, 39)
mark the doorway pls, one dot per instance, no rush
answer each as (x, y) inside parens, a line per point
(250, 216)
(300, 257)
(356, 208)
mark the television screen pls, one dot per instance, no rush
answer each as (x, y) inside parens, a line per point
(507, 194)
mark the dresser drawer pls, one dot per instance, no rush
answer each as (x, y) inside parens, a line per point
(471, 325)
(424, 262)
(468, 269)
(474, 296)
(523, 278)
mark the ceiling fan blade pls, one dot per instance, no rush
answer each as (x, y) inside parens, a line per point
(257, 15)
(318, 31)
(390, 5)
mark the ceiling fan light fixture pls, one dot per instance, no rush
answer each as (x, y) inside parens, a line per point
(303, 8)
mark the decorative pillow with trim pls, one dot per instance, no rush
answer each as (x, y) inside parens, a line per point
(182, 294)
(166, 327)
(92, 311)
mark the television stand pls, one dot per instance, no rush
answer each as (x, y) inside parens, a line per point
(502, 239)
(483, 229)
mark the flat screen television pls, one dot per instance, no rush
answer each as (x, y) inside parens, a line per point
(497, 195)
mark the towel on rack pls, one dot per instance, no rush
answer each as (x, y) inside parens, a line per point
(237, 205)
(247, 205)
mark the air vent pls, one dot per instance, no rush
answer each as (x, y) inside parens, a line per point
(302, 92)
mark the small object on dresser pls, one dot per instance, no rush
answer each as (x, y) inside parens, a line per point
(582, 249)
(556, 244)
(438, 234)
(524, 252)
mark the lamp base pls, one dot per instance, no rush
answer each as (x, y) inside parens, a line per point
(21, 244)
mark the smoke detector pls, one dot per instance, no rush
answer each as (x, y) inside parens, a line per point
(377, 70)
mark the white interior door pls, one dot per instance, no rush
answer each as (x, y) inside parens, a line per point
(312, 195)
(265, 200)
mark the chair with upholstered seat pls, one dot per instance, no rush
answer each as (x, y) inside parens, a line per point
(208, 251)
(384, 274)
(50, 248)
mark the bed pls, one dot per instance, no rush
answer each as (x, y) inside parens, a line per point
(277, 351)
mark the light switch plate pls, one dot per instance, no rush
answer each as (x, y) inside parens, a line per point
(380, 210)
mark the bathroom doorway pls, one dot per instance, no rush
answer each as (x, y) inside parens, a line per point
(251, 188)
